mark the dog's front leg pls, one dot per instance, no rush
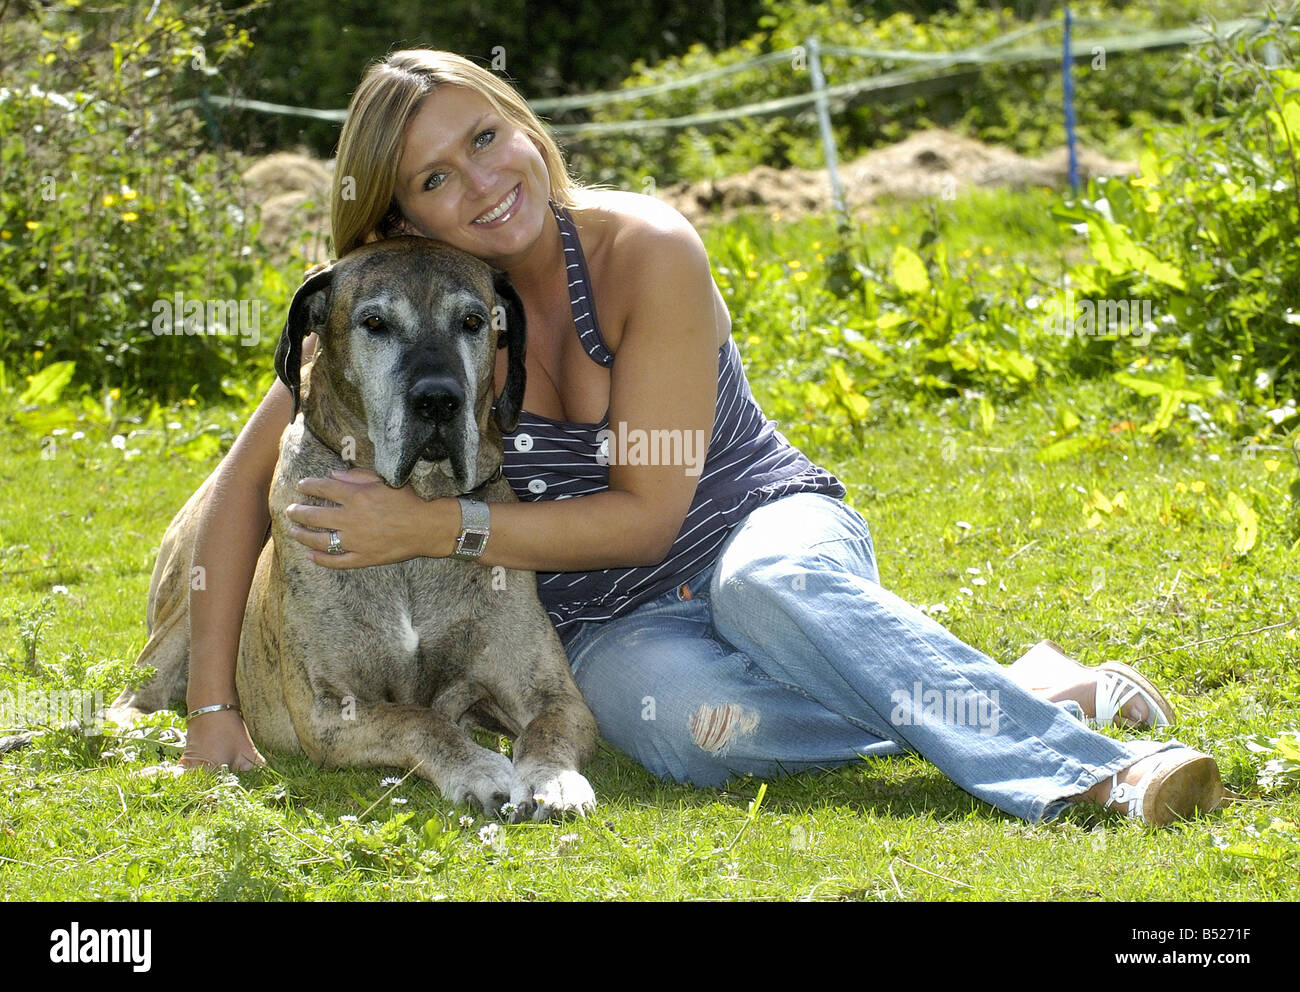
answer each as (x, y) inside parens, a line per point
(348, 732)
(558, 741)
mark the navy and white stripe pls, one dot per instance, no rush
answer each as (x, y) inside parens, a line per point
(748, 463)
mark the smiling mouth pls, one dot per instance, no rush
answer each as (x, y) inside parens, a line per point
(500, 210)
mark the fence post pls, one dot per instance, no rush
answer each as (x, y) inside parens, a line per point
(1067, 68)
(824, 124)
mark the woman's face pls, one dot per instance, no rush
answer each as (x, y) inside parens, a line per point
(471, 178)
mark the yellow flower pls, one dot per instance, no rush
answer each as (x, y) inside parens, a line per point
(750, 273)
(129, 194)
(130, 215)
(1180, 487)
(816, 245)
(821, 257)
(893, 228)
(38, 354)
(1272, 464)
(794, 263)
(800, 276)
(115, 393)
(987, 250)
(1198, 486)
(5, 235)
(33, 225)
(776, 215)
(966, 253)
(108, 200)
(753, 339)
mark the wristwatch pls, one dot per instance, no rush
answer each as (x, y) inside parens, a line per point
(475, 527)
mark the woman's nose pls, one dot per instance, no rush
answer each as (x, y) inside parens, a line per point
(481, 179)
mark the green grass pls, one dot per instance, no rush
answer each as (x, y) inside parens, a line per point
(999, 546)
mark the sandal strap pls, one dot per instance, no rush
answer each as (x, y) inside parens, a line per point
(1126, 792)
(1114, 691)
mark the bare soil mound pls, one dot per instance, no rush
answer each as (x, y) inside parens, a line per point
(293, 189)
(928, 163)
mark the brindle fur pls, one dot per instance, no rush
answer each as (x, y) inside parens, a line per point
(390, 665)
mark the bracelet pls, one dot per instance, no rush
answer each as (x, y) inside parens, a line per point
(212, 709)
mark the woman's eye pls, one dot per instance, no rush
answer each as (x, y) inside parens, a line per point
(473, 323)
(435, 180)
(484, 138)
(375, 325)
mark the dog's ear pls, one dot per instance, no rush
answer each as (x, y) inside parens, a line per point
(305, 312)
(510, 308)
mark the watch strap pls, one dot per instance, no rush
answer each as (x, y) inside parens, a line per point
(475, 527)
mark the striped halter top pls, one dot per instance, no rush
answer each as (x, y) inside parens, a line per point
(748, 463)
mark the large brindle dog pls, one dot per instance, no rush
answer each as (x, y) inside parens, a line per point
(390, 665)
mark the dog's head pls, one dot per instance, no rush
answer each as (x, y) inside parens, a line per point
(409, 331)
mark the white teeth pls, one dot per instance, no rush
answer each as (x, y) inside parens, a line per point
(505, 205)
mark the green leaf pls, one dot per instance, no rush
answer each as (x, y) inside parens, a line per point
(909, 271)
(200, 448)
(45, 386)
(890, 318)
(1247, 524)
(1063, 449)
(868, 350)
(1118, 253)
(1022, 366)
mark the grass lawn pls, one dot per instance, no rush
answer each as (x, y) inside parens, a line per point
(968, 524)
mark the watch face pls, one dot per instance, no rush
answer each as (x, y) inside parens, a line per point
(472, 542)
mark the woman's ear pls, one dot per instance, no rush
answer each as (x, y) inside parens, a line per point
(394, 224)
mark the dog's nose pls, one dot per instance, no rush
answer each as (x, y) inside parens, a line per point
(436, 398)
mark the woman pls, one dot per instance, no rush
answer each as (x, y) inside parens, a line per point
(721, 611)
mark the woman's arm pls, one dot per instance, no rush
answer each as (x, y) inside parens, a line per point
(665, 379)
(231, 533)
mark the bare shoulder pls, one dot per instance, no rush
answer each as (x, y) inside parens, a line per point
(629, 227)
(651, 260)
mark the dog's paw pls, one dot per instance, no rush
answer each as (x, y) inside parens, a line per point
(550, 794)
(485, 782)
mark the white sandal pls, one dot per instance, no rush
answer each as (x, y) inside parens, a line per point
(1182, 783)
(1047, 666)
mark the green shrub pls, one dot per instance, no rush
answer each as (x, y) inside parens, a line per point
(1209, 233)
(108, 206)
(1116, 94)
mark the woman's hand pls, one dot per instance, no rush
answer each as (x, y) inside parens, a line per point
(376, 524)
(220, 738)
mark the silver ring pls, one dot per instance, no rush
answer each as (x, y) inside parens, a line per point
(336, 546)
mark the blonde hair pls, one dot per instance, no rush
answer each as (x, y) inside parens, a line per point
(370, 146)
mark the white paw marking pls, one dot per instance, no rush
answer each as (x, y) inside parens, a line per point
(551, 793)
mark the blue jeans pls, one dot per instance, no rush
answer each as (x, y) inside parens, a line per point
(787, 654)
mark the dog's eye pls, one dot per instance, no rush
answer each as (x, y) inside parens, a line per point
(473, 323)
(375, 325)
